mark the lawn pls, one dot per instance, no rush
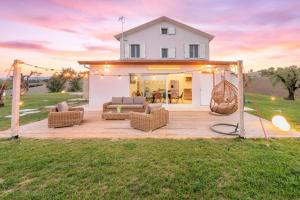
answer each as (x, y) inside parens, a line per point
(150, 169)
(268, 108)
(30, 102)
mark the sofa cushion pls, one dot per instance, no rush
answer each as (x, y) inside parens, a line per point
(117, 100)
(139, 100)
(62, 107)
(124, 106)
(127, 100)
(152, 106)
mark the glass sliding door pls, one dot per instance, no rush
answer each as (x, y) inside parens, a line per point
(153, 87)
(180, 88)
(169, 89)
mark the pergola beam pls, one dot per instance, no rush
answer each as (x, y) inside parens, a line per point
(241, 98)
(15, 116)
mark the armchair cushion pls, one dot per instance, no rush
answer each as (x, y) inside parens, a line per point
(62, 107)
(152, 106)
(139, 100)
(127, 100)
(117, 100)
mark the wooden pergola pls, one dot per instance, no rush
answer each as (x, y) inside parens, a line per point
(17, 65)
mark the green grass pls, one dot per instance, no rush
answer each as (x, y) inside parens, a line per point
(31, 102)
(268, 108)
(150, 169)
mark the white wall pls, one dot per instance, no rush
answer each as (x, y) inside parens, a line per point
(153, 40)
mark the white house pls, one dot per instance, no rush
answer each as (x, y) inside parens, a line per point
(161, 56)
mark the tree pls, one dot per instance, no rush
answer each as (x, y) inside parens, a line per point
(289, 77)
(56, 83)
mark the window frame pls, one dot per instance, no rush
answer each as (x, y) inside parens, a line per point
(194, 50)
(135, 51)
(164, 28)
(162, 52)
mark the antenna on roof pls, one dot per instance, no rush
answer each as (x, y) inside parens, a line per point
(122, 20)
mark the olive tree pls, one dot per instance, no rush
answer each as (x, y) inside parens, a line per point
(289, 77)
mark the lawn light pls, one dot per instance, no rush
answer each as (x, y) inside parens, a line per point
(21, 103)
(63, 91)
(281, 123)
(273, 98)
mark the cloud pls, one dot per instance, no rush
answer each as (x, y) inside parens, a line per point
(25, 45)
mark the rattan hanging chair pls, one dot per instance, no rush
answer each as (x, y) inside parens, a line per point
(224, 98)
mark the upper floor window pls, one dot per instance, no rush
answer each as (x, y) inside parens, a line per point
(164, 53)
(135, 51)
(164, 31)
(194, 49)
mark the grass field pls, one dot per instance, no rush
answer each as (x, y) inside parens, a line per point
(30, 102)
(151, 169)
(268, 108)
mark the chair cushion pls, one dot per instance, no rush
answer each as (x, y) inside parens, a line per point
(127, 100)
(139, 100)
(62, 107)
(117, 100)
(152, 106)
(132, 106)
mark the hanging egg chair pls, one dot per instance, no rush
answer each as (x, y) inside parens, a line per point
(224, 98)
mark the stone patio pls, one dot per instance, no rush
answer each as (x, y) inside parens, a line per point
(183, 124)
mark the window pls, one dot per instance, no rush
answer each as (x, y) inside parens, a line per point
(164, 31)
(135, 51)
(194, 50)
(164, 53)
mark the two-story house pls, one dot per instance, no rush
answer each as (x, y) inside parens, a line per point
(163, 60)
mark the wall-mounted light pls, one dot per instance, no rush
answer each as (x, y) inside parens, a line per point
(101, 76)
(119, 77)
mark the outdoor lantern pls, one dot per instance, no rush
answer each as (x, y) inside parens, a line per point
(273, 98)
(281, 123)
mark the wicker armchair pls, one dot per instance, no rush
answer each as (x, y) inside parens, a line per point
(148, 122)
(74, 116)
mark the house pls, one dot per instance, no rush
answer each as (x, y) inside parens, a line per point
(162, 60)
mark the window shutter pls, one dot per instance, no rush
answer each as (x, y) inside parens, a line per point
(186, 51)
(171, 31)
(202, 51)
(172, 52)
(143, 51)
(126, 51)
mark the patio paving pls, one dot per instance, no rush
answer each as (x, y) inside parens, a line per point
(183, 124)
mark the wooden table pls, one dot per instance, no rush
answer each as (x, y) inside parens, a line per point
(113, 115)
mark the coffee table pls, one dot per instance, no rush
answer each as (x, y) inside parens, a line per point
(113, 115)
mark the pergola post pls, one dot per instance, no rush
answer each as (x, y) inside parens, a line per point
(241, 99)
(15, 116)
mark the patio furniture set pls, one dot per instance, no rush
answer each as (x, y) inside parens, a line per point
(142, 116)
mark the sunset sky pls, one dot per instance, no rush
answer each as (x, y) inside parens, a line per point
(57, 33)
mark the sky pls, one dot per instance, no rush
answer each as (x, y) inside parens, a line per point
(57, 33)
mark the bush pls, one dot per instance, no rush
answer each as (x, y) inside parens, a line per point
(56, 83)
(75, 84)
